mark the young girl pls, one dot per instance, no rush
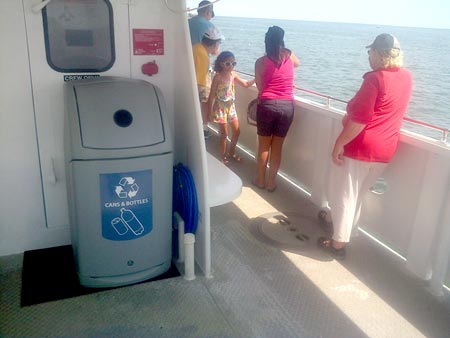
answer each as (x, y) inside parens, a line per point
(221, 103)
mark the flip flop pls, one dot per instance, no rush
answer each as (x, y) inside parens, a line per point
(225, 160)
(326, 244)
(257, 185)
(235, 157)
(272, 189)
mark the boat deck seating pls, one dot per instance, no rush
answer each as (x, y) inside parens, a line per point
(224, 185)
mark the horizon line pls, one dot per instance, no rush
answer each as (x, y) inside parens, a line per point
(337, 22)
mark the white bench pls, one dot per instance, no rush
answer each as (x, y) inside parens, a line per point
(224, 184)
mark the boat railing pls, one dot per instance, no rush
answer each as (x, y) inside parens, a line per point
(330, 99)
(406, 211)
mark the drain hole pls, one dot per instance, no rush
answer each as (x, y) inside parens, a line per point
(305, 237)
(300, 237)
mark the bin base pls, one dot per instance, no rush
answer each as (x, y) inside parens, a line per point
(120, 280)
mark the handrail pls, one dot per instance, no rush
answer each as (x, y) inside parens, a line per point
(445, 131)
(329, 98)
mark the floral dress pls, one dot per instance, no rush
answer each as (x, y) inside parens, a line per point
(224, 109)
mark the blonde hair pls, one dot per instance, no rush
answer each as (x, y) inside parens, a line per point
(389, 58)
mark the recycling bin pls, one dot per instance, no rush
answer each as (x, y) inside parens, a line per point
(118, 163)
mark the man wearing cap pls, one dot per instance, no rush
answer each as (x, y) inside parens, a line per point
(201, 22)
(201, 51)
(368, 139)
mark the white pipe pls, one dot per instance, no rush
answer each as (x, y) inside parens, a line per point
(180, 225)
(189, 262)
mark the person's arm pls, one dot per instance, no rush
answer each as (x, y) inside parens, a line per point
(350, 131)
(359, 112)
(259, 70)
(241, 82)
(211, 96)
(295, 60)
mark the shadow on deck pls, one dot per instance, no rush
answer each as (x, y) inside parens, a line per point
(257, 289)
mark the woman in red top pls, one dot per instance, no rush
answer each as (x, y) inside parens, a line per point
(368, 139)
(274, 75)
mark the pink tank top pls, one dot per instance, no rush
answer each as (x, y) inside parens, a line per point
(278, 82)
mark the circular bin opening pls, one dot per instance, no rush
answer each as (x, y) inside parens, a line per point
(123, 118)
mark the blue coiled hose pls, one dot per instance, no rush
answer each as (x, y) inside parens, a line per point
(185, 197)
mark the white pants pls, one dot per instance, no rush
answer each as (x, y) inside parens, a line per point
(347, 186)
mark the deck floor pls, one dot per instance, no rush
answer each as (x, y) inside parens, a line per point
(257, 289)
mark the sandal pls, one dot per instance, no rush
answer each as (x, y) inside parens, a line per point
(324, 224)
(235, 157)
(326, 244)
(225, 160)
(272, 189)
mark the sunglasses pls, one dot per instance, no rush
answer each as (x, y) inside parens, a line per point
(228, 64)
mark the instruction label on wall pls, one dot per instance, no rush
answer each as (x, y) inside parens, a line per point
(126, 204)
(148, 42)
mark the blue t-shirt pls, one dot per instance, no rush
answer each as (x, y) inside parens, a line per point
(198, 25)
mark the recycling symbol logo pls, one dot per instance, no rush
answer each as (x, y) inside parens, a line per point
(127, 188)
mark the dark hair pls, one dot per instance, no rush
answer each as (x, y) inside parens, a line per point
(274, 43)
(205, 6)
(209, 42)
(220, 59)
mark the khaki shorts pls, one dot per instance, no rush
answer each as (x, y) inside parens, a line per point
(203, 91)
(202, 95)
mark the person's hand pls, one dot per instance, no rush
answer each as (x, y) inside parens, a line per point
(338, 154)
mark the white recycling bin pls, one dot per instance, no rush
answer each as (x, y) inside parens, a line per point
(119, 160)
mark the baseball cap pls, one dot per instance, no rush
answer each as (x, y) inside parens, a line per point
(385, 42)
(213, 33)
(203, 5)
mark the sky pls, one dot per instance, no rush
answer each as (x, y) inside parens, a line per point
(410, 13)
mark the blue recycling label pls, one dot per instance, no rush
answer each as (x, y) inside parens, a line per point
(126, 204)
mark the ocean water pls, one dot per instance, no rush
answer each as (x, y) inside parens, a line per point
(333, 59)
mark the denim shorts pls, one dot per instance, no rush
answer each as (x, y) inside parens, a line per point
(274, 117)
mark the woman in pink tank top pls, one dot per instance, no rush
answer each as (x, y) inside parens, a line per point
(274, 75)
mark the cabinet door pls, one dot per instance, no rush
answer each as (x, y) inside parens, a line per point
(68, 39)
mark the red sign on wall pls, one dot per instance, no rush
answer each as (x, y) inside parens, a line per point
(148, 42)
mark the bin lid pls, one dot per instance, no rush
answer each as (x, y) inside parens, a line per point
(119, 114)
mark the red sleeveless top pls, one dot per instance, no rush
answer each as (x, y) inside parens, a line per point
(277, 82)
